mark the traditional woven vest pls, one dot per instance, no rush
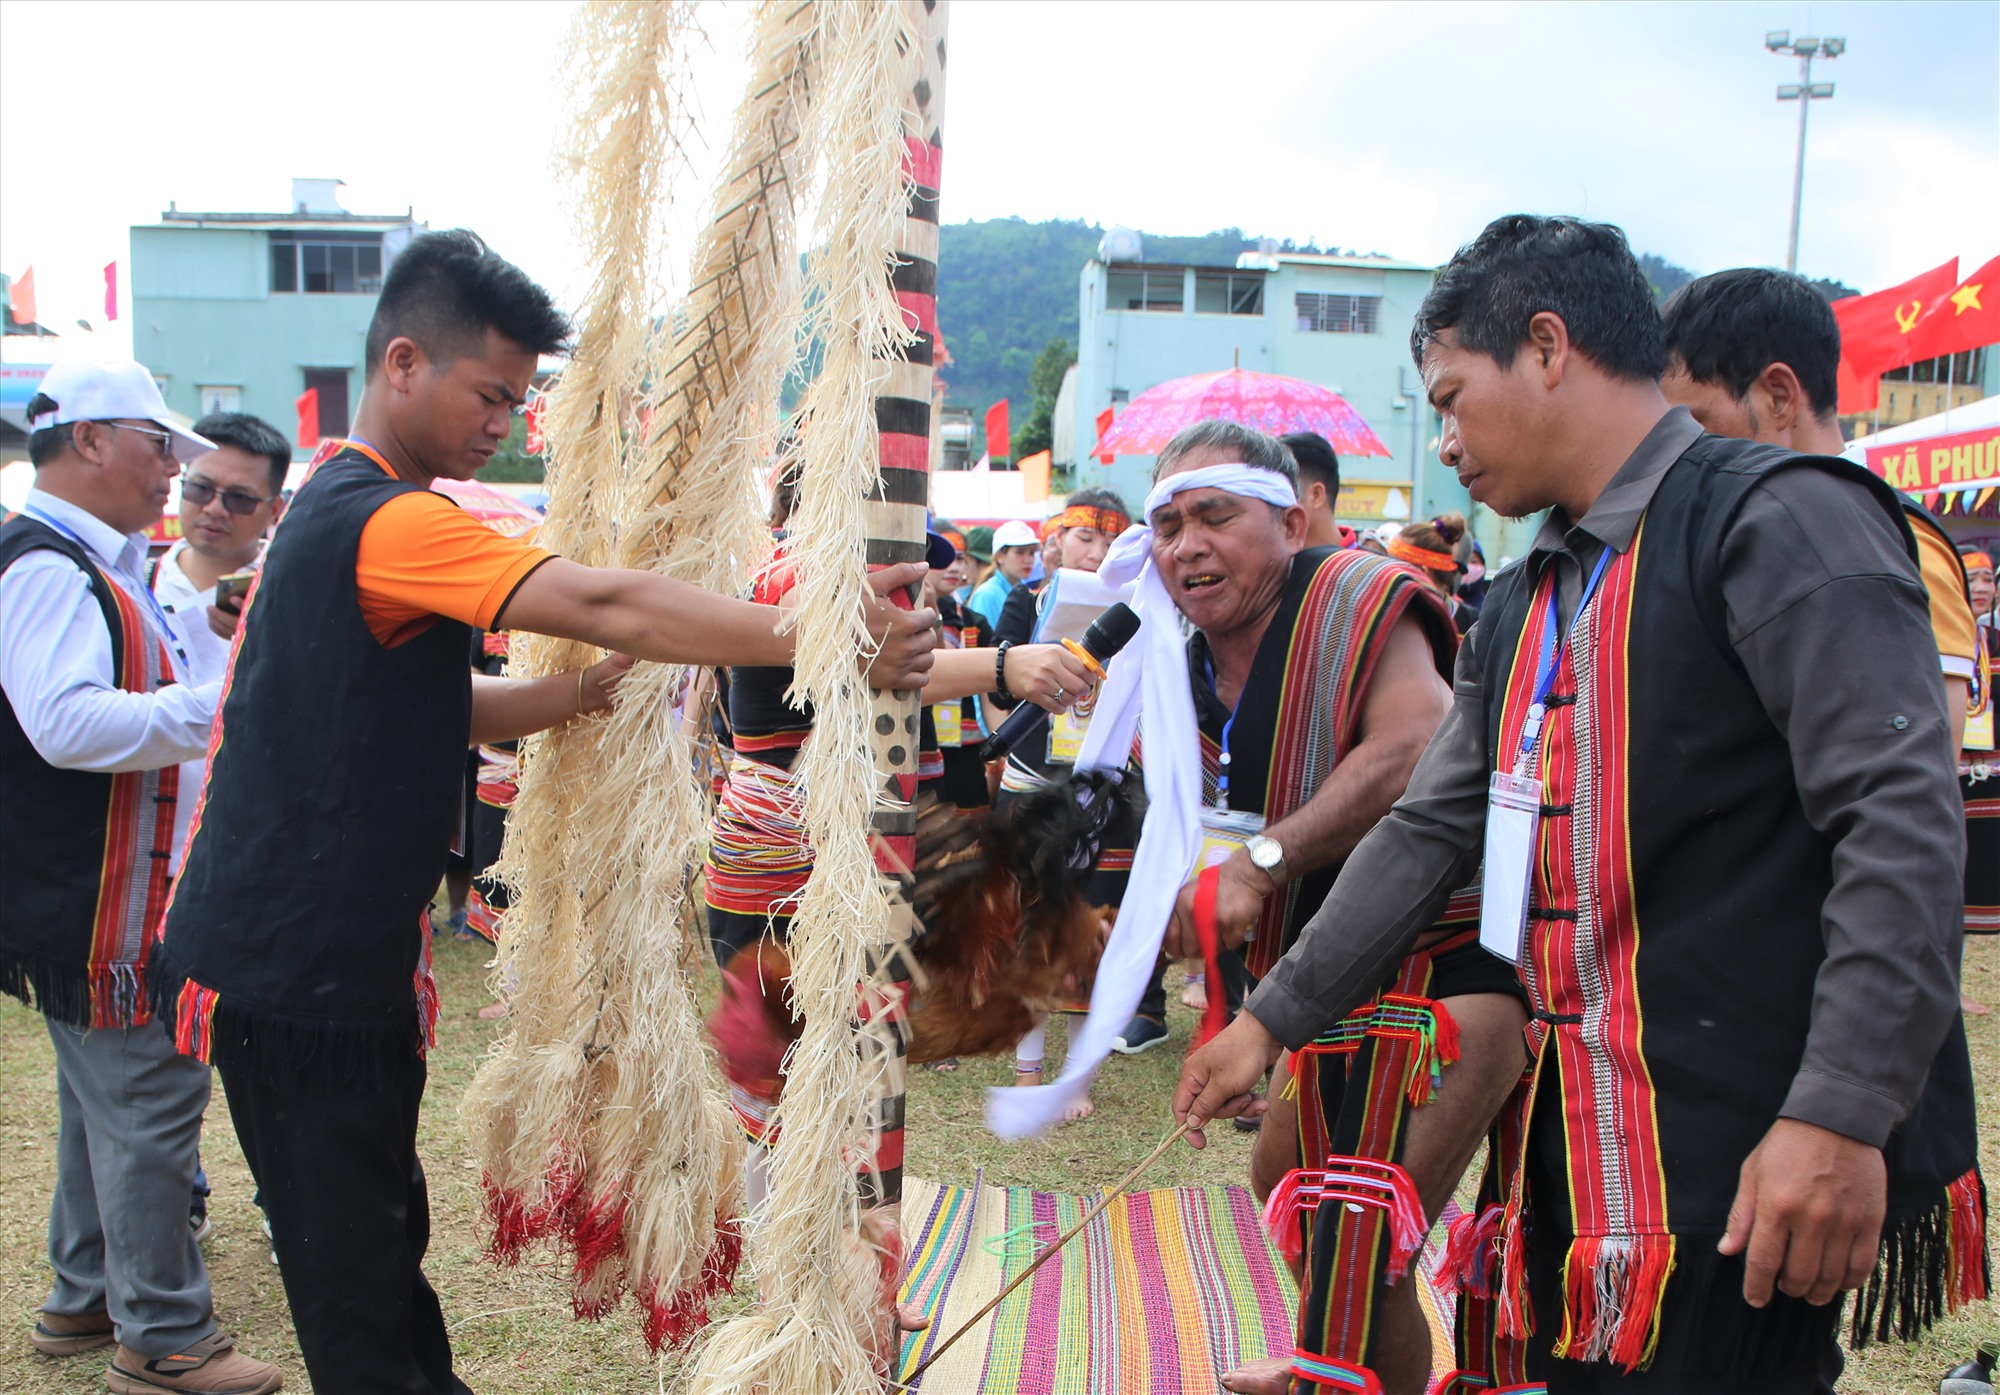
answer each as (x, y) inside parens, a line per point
(1674, 930)
(83, 856)
(336, 784)
(1299, 713)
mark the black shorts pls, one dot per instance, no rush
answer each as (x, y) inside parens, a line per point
(1460, 967)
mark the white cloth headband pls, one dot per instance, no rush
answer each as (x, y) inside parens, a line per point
(1233, 478)
(1151, 673)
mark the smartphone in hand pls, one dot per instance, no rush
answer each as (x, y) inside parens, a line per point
(232, 590)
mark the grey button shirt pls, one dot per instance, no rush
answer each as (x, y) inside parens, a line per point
(1828, 616)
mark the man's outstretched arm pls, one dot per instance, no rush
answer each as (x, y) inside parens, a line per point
(653, 617)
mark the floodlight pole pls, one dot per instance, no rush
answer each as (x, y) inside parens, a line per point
(1805, 94)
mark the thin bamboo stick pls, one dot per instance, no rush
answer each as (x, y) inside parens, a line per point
(1116, 1190)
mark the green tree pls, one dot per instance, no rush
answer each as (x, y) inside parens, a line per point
(1831, 287)
(1663, 276)
(1037, 433)
(1045, 379)
(512, 464)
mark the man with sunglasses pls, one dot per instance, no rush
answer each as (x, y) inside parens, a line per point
(229, 500)
(103, 705)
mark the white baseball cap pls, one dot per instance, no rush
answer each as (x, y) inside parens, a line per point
(112, 390)
(1015, 533)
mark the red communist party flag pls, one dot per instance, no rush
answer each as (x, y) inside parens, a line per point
(996, 432)
(1104, 425)
(1968, 318)
(21, 297)
(535, 442)
(308, 405)
(1876, 330)
(111, 290)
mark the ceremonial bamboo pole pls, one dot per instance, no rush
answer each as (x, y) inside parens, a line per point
(818, 1326)
(895, 519)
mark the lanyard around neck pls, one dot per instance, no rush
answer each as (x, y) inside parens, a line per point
(1554, 641)
(371, 453)
(1222, 771)
(167, 629)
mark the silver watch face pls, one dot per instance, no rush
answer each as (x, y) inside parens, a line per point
(1265, 853)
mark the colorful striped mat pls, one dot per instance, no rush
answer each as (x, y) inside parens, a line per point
(1158, 1296)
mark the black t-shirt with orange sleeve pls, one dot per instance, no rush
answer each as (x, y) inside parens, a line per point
(421, 555)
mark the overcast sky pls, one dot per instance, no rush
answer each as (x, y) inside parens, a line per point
(1398, 128)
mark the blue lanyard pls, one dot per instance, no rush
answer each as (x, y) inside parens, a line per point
(1222, 773)
(1552, 648)
(153, 601)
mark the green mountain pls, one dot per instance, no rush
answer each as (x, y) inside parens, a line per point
(1006, 287)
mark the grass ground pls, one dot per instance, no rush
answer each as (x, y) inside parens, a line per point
(512, 1328)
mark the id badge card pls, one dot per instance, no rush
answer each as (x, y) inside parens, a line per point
(1223, 831)
(1513, 818)
(1066, 733)
(950, 726)
(1979, 730)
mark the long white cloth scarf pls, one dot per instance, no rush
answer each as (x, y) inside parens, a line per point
(1150, 675)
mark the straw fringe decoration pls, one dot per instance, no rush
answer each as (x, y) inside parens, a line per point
(820, 1282)
(596, 1117)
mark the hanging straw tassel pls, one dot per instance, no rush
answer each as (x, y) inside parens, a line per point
(595, 1116)
(525, 1110)
(818, 1326)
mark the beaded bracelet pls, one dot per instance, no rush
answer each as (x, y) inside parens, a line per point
(1000, 673)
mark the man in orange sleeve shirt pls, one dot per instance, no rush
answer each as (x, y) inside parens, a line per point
(291, 953)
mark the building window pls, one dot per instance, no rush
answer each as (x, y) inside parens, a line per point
(1338, 314)
(1144, 290)
(1228, 295)
(327, 263)
(221, 399)
(1965, 369)
(331, 384)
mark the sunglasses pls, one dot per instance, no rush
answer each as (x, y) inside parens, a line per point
(163, 441)
(199, 492)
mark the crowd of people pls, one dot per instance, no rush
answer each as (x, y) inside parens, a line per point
(1642, 863)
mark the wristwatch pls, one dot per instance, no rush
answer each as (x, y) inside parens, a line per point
(1268, 857)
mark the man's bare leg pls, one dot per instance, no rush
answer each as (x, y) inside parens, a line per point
(1443, 1136)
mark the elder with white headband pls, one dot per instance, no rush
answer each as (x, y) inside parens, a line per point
(1274, 738)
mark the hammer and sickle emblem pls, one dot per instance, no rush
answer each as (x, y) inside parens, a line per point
(1906, 317)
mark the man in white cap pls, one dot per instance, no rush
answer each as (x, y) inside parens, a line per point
(99, 713)
(1015, 548)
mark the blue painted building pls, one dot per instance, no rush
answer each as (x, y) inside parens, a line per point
(1342, 322)
(246, 311)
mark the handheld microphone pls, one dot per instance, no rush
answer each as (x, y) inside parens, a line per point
(1107, 634)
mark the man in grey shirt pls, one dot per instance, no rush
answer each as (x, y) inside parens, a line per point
(1716, 667)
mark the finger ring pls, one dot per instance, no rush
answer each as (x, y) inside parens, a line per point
(1062, 694)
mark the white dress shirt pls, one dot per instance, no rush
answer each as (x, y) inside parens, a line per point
(55, 663)
(187, 606)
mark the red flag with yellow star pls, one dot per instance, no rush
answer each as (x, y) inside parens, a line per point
(1876, 331)
(1968, 318)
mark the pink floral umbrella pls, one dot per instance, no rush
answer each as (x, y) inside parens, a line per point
(1269, 403)
(496, 508)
